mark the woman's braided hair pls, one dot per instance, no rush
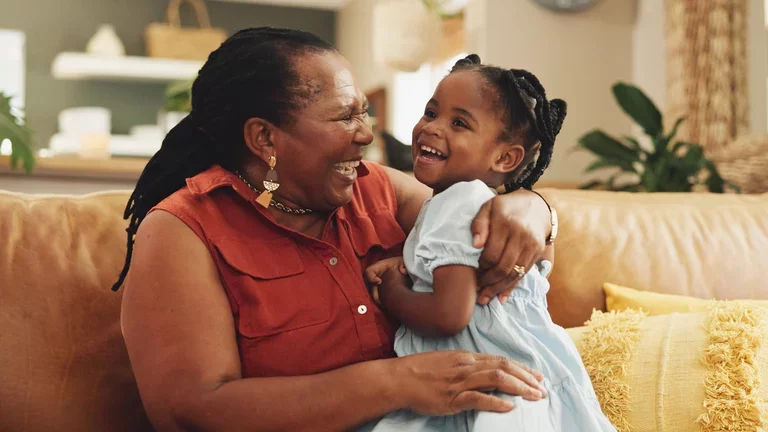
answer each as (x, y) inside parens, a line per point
(528, 116)
(252, 74)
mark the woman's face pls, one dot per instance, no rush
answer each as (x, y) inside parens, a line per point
(319, 153)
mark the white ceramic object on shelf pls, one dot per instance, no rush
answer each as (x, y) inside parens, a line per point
(169, 120)
(119, 145)
(83, 66)
(106, 43)
(85, 120)
(405, 34)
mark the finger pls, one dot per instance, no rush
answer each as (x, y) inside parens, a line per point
(504, 295)
(498, 237)
(496, 378)
(506, 261)
(531, 376)
(371, 273)
(495, 290)
(474, 400)
(480, 225)
(403, 270)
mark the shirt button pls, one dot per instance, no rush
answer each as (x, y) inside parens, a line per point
(362, 309)
(333, 261)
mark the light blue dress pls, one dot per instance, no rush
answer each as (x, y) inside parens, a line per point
(520, 329)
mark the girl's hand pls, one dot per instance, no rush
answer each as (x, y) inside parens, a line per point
(512, 228)
(447, 382)
(376, 275)
(373, 274)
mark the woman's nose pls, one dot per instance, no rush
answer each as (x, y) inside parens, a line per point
(364, 133)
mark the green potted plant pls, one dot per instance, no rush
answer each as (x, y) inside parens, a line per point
(12, 128)
(666, 165)
(178, 104)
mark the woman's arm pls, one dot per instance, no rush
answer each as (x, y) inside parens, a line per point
(511, 228)
(444, 312)
(180, 335)
(410, 194)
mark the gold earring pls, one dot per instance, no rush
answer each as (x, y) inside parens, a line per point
(270, 184)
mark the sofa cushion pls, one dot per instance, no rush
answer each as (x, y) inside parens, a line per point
(619, 298)
(679, 372)
(695, 244)
(65, 367)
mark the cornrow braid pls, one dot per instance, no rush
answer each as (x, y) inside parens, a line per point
(528, 115)
(251, 74)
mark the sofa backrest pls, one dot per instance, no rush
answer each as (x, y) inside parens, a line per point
(696, 244)
(64, 363)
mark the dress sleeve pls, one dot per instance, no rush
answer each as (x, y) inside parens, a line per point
(446, 236)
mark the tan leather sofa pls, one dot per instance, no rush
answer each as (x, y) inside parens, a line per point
(63, 365)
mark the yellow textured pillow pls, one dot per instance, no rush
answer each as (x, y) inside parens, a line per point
(699, 372)
(619, 298)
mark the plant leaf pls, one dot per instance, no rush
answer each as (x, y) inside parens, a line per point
(599, 143)
(714, 182)
(638, 106)
(634, 187)
(610, 163)
(635, 143)
(673, 132)
(21, 141)
(591, 185)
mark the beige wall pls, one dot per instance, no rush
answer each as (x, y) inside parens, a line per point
(577, 57)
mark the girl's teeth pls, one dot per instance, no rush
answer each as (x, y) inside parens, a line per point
(431, 150)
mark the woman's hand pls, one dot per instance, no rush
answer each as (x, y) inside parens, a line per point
(513, 229)
(448, 382)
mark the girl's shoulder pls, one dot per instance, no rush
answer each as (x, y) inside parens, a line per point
(457, 204)
(464, 194)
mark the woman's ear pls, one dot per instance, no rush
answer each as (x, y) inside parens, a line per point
(258, 134)
(508, 159)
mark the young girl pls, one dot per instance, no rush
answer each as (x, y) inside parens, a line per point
(480, 133)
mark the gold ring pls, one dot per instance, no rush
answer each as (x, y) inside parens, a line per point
(520, 270)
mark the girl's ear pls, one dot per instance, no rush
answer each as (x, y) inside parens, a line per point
(508, 158)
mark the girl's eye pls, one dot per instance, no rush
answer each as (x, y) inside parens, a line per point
(460, 123)
(429, 113)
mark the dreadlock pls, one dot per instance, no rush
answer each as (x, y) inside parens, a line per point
(252, 74)
(529, 117)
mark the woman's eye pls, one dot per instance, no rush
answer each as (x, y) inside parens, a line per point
(429, 113)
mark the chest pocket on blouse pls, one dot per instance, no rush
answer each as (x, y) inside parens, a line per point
(268, 283)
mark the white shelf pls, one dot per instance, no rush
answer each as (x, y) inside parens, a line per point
(81, 66)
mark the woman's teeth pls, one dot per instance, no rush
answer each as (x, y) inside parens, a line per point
(346, 168)
(432, 150)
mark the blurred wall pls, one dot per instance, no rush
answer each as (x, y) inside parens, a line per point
(53, 26)
(577, 57)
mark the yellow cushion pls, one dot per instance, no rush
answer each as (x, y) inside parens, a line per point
(618, 298)
(699, 372)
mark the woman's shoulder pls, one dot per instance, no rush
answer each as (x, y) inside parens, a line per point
(373, 191)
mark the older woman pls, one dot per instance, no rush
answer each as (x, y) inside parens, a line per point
(245, 306)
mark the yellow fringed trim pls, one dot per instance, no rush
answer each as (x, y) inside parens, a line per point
(608, 346)
(734, 335)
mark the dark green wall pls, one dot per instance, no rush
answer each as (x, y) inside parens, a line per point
(53, 26)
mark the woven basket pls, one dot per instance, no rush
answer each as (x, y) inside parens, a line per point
(744, 162)
(170, 40)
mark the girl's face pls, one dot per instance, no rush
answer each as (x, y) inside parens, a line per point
(457, 138)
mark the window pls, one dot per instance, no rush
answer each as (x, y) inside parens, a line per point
(410, 93)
